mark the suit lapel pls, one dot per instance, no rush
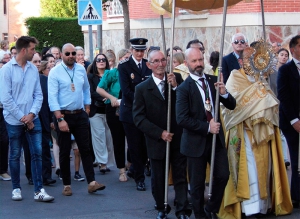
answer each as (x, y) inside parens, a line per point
(152, 87)
(195, 93)
(211, 87)
(294, 70)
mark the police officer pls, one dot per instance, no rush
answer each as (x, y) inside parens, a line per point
(133, 71)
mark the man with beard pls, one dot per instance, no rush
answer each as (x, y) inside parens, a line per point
(22, 98)
(68, 91)
(195, 99)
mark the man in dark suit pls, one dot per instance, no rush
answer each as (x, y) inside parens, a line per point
(288, 82)
(133, 71)
(195, 100)
(234, 60)
(150, 108)
(46, 120)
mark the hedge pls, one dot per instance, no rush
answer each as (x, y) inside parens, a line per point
(52, 31)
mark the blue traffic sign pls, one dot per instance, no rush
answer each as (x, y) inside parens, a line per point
(89, 12)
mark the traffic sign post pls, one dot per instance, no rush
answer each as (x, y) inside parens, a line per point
(89, 12)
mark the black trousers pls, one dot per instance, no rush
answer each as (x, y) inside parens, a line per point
(4, 143)
(46, 156)
(197, 172)
(179, 164)
(118, 135)
(79, 127)
(292, 138)
(137, 148)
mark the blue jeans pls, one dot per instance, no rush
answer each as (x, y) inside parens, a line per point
(16, 135)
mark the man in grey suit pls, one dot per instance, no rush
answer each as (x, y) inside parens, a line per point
(195, 99)
(150, 116)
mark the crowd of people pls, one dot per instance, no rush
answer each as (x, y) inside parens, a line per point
(113, 113)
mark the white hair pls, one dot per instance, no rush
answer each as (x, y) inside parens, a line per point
(79, 48)
(238, 35)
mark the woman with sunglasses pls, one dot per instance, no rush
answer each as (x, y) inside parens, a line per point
(101, 136)
(109, 87)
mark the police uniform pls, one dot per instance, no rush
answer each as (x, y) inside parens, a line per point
(130, 75)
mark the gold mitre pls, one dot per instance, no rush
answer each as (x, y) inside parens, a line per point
(259, 60)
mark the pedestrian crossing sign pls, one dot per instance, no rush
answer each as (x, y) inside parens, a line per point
(89, 12)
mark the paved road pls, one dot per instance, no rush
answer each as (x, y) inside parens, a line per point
(117, 201)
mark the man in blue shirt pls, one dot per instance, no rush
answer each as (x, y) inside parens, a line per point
(68, 91)
(22, 98)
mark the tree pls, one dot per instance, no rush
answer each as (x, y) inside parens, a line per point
(58, 8)
(124, 4)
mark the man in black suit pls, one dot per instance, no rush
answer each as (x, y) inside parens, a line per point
(288, 88)
(234, 60)
(45, 116)
(150, 108)
(133, 71)
(195, 100)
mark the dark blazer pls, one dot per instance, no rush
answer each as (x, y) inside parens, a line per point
(130, 76)
(229, 63)
(150, 116)
(190, 114)
(45, 114)
(288, 94)
(97, 99)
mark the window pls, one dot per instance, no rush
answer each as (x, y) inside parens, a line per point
(115, 9)
(5, 36)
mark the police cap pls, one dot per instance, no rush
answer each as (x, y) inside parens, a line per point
(138, 43)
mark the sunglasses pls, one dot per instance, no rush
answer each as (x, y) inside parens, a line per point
(101, 60)
(68, 53)
(239, 41)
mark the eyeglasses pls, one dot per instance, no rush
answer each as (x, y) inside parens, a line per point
(156, 61)
(239, 41)
(101, 60)
(68, 53)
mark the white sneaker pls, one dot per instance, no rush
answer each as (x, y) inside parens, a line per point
(16, 195)
(5, 177)
(42, 196)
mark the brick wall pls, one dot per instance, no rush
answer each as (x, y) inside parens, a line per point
(140, 9)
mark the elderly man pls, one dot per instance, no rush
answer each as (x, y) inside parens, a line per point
(133, 71)
(55, 51)
(80, 57)
(68, 91)
(195, 99)
(22, 98)
(234, 60)
(150, 108)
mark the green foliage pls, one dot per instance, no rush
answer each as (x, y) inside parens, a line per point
(58, 8)
(55, 31)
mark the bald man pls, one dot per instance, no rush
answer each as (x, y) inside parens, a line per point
(68, 92)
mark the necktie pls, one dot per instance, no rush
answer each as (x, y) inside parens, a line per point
(204, 88)
(140, 67)
(162, 88)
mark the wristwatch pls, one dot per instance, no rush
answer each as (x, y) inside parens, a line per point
(60, 119)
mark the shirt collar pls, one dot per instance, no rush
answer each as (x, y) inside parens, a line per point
(136, 62)
(157, 80)
(66, 67)
(296, 62)
(196, 77)
(236, 55)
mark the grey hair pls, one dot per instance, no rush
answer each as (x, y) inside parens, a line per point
(238, 35)
(79, 48)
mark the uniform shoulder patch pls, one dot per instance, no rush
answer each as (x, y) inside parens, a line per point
(123, 61)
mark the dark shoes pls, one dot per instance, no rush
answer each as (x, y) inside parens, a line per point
(78, 177)
(49, 181)
(161, 215)
(140, 186)
(210, 215)
(130, 174)
(30, 182)
(57, 172)
(296, 204)
(183, 216)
